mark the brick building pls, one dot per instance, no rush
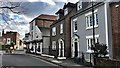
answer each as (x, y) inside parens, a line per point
(60, 32)
(39, 39)
(11, 38)
(115, 22)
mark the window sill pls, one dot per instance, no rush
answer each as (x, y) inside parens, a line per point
(61, 33)
(75, 30)
(89, 51)
(53, 35)
(91, 27)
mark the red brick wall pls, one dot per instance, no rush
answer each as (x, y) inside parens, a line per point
(14, 36)
(44, 23)
(115, 16)
(68, 33)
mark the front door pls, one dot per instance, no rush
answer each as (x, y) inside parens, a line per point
(76, 49)
(61, 45)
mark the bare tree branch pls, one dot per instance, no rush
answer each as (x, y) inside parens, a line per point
(11, 7)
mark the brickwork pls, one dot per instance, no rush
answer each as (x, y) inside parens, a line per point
(115, 16)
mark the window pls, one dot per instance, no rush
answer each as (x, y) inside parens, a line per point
(53, 31)
(75, 26)
(58, 16)
(61, 28)
(66, 11)
(8, 40)
(89, 20)
(79, 5)
(53, 45)
(90, 42)
(96, 18)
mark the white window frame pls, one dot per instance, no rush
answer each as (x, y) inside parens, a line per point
(8, 40)
(87, 18)
(61, 28)
(53, 31)
(88, 38)
(65, 11)
(75, 21)
(53, 45)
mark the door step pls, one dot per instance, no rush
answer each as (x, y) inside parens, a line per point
(61, 58)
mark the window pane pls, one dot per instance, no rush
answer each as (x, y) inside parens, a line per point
(66, 11)
(87, 21)
(76, 25)
(91, 22)
(88, 44)
(96, 19)
(91, 40)
(61, 28)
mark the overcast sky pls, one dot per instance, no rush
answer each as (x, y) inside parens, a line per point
(29, 10)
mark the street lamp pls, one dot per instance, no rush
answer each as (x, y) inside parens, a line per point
(93, 45)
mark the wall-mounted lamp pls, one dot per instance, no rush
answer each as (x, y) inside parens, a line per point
(117, 6)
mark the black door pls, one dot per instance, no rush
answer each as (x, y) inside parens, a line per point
(76, 49)
(61, 49)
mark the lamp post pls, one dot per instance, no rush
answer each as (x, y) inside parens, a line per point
(93, 45)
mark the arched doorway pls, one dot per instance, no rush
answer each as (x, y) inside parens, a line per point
(61, 48)
(75, 47)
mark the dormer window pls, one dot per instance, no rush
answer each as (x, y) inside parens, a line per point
(66, 11)
(79, 5)
(58, 16)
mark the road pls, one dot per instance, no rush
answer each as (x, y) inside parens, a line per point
(24, 61)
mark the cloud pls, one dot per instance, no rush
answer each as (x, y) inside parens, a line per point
(32, 9)
(51, 2)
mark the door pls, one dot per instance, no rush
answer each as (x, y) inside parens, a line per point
(61, 45)
(76, 48)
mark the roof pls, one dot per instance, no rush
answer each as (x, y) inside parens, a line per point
(47, 17)
(87, 6)
(27, 34)
(59, 11)
(69, 5)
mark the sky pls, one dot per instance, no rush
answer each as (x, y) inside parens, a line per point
(29, 9)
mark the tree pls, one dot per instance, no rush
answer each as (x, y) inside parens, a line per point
(100, 50)
(10, 6)
(7, 7)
